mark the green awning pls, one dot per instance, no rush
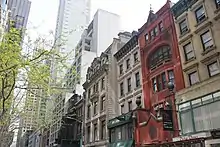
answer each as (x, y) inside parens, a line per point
(128, 143)
(120, 120)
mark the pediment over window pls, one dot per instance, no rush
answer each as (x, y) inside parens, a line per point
(160, 56)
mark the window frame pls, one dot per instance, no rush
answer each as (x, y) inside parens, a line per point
(169, 77)
(208, 66)
(129, 88)
(160, 55)
(185, 29)
(203, 16)
(121, 86)
(137, 79)
(95, 108)
(128, 63)
(135, 57)
(130, 106)
(189, 77)
(121, 69)
(154, 84)
(102, 105)
(88, 134)
(89, 111)
(103, 83)
(95, 133)
(161, 27)
(189, 52)
(209, 40)
(122, 109)
(146, 36)
(103, 130)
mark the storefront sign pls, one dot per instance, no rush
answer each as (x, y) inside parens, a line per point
(194, 136)
(167, 120)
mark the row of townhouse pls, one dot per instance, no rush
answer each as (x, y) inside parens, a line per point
(169, 68)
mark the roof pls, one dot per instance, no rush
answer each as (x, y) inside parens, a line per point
(130, 45)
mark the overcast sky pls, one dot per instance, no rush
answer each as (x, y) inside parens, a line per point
(133, 13)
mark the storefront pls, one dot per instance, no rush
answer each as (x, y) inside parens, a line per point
(121, 131)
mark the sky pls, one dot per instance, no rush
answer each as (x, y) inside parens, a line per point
(133, 13)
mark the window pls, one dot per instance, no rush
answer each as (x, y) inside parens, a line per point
(207, 41)
(154, 81)
(200, 14)
(120, 69)
(129, 84)
(156, 32)
(103, 103)
(164, 81)
(217, 3)
(193, 78)
(122, 109)
(103, 83)
(202, 117)
(159, 56)
(146, 38)
(121, 133)
(95, 107)
(188, 50)
(95, 132)
(129, 106)
(88, 133)
(137, 79)
(88, 111)
(103, 129)
(171, 76)
(122, 89)
(159, 82)
(152, 34)
(183, 26)
(97, 87)
(161, 26)
(213, 69)
(128, 63)
(135, 57)
(94, 88)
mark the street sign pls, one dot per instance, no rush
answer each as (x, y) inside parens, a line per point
(168, 120)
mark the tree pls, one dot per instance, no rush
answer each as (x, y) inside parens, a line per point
(24, 71)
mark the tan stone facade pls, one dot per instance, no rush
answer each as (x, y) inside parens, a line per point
(101, 103)
(129, 77)
(198, 32)
(199, 55)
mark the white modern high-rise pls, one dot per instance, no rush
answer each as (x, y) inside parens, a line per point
(95, 39)
(73, 16)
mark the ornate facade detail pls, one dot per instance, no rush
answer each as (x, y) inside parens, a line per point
(97, 66)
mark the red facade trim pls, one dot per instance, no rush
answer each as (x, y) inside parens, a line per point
(153, 132)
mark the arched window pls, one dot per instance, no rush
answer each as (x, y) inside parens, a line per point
(159, 57)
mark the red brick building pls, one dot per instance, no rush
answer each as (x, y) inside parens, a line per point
(160, 61)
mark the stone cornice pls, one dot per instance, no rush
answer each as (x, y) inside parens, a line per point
(96, 75)
(182, 6)
(130, 45)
